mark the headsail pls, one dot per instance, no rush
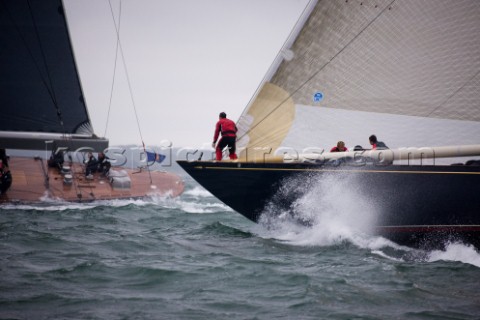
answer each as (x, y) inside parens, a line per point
(406, 70)
(40, 91)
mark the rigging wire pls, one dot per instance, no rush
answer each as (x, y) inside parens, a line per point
(319, 70)
(115, 64)
(52, 94)
(277, 56)
(48, 83)
(49, 78)
(119, 46)
(126, 73)
(453, 94)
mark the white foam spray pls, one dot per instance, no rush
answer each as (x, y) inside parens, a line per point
(195, 200)
(198, 192)
(456, 252)
(338, 211)
(202, 207)
(199, 200)
(335, 207)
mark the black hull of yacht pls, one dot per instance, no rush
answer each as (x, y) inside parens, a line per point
(421, 206)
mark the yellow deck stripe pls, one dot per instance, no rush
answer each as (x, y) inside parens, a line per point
(333, 170)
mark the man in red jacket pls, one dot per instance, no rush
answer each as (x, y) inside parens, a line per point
(229, 135)
(340, 147)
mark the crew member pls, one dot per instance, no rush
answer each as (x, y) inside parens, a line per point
(56, 159)
(4, 157)
(5, 178)
(340, 147)
(376, 144)
(228, 129)
(90, 166)
(103, 163)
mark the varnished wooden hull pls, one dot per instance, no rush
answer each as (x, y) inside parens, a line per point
(31, 185)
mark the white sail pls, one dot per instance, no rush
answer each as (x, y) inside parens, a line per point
(405, 70)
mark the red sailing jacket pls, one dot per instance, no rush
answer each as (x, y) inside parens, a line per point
(227, 127)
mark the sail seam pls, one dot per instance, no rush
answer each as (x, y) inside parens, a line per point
(279, 54)
(319, 70)
(453, 94)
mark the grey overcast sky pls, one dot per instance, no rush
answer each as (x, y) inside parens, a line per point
(187, 60)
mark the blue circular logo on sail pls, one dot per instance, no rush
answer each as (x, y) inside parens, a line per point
(318, 96)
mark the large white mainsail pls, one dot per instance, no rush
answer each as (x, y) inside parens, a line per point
(405, 70)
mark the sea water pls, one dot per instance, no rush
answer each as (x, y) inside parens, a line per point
(194, 258)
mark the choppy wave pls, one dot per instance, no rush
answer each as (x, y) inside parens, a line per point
(60, 205)
(199, 200)
(456, 252)
(194, 200)
(198, 192)
(338, 213)
(141, 259)
(204, 207)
